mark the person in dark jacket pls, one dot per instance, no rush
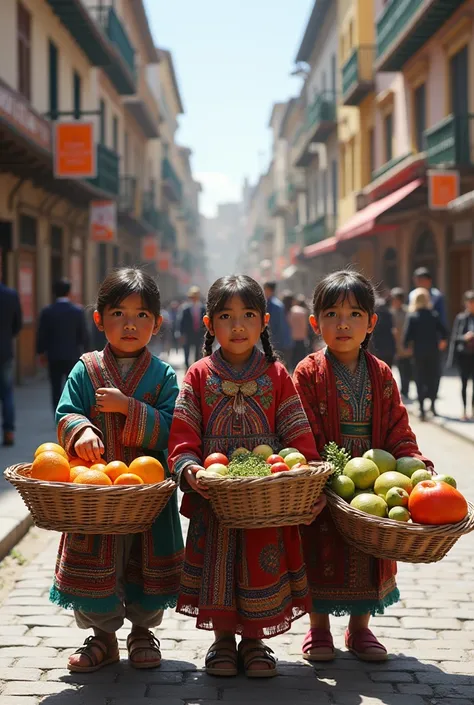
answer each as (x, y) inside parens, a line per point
(426, 335)
(62, 337)
(382, 343)
(10, 326)
(279, 327)
(462, 349)
(190, 325)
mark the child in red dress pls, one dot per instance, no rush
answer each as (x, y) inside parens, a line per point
(350, 397)
(250, 582)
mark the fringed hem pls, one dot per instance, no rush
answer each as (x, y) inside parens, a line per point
(100, 605)
(205, 620)
(356, 607)
(151, 603)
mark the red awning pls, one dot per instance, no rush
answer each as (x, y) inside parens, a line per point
(363, 222)
(321, 248)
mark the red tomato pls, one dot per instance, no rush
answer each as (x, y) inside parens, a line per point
(275, 459)
(436, 503)
(216, 458)
(279, 467)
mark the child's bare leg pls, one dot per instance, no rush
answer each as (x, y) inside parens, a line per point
(318, 644)
(97, 655)
(362, 642)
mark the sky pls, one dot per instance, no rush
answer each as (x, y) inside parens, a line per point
(233, 60)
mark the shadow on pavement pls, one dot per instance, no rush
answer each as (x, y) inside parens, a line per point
(347, 681)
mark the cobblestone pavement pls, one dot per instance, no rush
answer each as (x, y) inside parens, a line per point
(430, 635)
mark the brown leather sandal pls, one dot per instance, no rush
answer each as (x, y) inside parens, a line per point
(255, 651)
(110, 654)
(222, 651)
(139, 642)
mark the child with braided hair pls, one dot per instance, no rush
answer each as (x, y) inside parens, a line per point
(249, 582)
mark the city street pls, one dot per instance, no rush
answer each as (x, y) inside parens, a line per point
(430, 634)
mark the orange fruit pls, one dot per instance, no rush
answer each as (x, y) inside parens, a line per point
(148, 468)
(75, 471)
(115, 468)
(128, 478)
(92, 477)
(50, 447)
(78, 462)
(50, 466)
(98, 466)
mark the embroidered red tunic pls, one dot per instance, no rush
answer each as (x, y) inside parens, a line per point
(251, 582)
(358, 413)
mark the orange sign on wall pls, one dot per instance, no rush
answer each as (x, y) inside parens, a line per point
(164, 261)
(103, 221)
(149, 248)
(74, 150)
(443, 187)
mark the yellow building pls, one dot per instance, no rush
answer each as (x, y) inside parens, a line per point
(62, 61)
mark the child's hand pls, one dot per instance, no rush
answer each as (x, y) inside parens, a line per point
(189, 476)
(111, 400)
(89, 446)
(317, 509)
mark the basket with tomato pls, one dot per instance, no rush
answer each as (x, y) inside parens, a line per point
(395, 509)
(256, 489)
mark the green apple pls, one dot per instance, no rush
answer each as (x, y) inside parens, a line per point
(407, 466)
(420, 476)
(295, 458)
(218, 468)
(344, 487)
(383, 460)
(286, 451)
(397, 497)
(445, 478)
(263, 451)
(239, 451)
(399, 514)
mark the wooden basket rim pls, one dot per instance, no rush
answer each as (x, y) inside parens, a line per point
(316, 469)
(13, 473)
(460, 528)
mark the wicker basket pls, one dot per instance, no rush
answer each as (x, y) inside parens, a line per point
(396, 540)
(282, 499)
(90, 509)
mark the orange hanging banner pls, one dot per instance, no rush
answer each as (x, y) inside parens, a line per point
(149, 248)
(103, 221)
(443, 187)
(74, 150)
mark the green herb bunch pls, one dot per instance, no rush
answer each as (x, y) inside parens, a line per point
(248, 466)
(338, 457)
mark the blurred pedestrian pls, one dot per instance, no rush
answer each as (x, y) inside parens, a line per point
(173, 310)
(382, 343)
(426, 335)
(62, 337)
(404, 359)
(279, 326)
(190, 325)
(10, 326)
(462, 349)
(299, 326)
(423, 279)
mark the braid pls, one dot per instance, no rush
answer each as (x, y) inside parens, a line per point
(267, 346)
(208, 343)
(365, 344)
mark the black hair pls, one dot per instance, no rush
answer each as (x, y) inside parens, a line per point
(270, 285)
(62, 288)
(422, 272)
(127, 281)
(287, 300)
(253, 297)
(340, 285)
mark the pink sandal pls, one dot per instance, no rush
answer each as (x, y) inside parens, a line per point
(365, 645)
(319, 640)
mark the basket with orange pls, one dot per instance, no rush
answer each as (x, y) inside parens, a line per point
(72, 495)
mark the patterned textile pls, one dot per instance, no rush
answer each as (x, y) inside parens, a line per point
(251, 582)
(85, 576)
(357, 411)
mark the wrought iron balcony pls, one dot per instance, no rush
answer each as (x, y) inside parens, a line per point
(121, 70)
(389, 165)
(171, 183)
(405, 26)
(358, 75)
(450, 142)
(321, 121)
(324, 226)
(107, 178)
